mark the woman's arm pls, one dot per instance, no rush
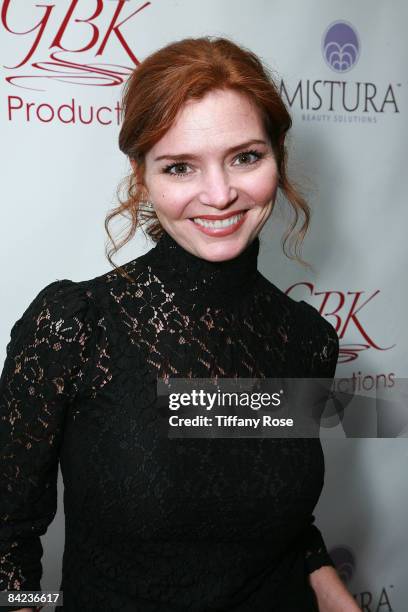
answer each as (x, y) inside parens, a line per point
(330, 591)
(331, 594)
(47, 364)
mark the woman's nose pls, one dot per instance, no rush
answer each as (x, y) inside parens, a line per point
(217, 190)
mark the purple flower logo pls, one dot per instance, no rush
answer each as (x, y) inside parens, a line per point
(341, 46)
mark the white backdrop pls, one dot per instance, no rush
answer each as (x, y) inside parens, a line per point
(342, 70)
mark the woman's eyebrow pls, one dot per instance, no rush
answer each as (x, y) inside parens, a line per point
(243, 145)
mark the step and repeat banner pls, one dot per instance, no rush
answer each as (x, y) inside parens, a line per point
(342, 71)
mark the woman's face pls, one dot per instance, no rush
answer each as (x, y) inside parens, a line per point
(214, 163)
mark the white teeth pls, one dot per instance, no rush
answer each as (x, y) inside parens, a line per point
(220, 223)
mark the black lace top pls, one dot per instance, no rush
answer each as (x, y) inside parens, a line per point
(155, 524)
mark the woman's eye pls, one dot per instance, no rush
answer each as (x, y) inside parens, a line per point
(179, 169)
(248, 157)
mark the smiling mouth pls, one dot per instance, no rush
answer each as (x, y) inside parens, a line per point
(219, 223)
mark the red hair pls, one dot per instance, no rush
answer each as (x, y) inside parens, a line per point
(158, 89)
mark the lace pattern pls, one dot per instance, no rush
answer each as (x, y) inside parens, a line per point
(156, 524)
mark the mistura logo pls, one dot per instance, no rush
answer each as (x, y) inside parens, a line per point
(330, 98)
(341, 46)
(44, 48)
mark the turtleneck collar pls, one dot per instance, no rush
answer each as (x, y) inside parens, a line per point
(199, 281)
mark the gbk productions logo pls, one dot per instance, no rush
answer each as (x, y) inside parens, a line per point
(345, 561)
(345, 311)
(343, 99)
(65, 43)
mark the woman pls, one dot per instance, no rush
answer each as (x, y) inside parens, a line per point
(152, 523)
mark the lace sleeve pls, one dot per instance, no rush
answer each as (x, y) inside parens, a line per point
(321, 355)
(316, 554)
(46, 366)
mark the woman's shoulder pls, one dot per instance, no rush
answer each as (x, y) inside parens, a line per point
(75, 296)
(61, 314)
(61, 319)
(60, 298)
(314, 335)
(88, 299)
(53, 341)
(302, 311)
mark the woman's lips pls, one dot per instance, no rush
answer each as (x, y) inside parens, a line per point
(227, 215)
(221, 227)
